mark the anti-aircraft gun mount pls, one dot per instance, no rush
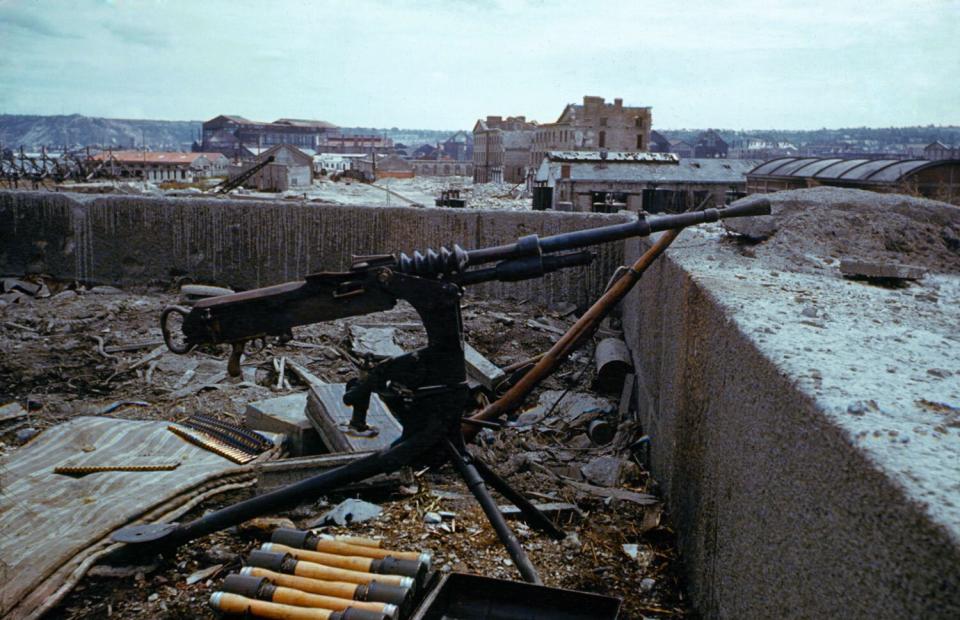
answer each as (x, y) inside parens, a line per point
(426, 390)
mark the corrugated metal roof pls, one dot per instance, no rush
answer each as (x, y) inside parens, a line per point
(840, 168)
(727, 171)
(789, 168)
(813, 168)
(900, 169)
(854, 170)
(773, 164)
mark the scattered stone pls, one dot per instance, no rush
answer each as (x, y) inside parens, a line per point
(631, 550)
(219, 554)
(940, 373)
(809, 312)
(63, 296)
(204, 573)
(886, 270)
(604, 471)
(572, 541)
(575, 407)
(555, 510)
(432, 518)
(105, 290)
(580, 442)
(9, 285)
(11, 411)
(351, 511)
(26, 434)
(562, 308)
(376, 341)
(530, 416)
(265, 525)
(647, 584)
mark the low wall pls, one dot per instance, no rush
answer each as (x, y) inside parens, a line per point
(806, 432)
(245, 244)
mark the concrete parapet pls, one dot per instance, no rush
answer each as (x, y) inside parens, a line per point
(806, 432)
(246, 244)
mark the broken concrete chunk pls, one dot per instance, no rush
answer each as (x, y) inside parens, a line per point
(350, 511)
(574, 407)
(480, 369)
(530, 416)
(432, 518)
(105, 290)
(605, 471)
(853, 268)
(14, 284)
(11, 411)
(555, 510)
(26, 434)
(376, 341)
(287, 415)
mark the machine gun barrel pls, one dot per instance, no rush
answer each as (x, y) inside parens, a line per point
(448, 262)
(592, 236)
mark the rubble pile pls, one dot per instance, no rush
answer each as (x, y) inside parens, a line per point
(814, 229)
(68, 350)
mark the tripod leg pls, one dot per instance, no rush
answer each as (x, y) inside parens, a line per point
(463, 462)
(533, 517)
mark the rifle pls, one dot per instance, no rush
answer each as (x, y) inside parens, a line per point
(426, 389)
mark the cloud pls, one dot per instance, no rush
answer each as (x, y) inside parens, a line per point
(137, 35)
(32, 24)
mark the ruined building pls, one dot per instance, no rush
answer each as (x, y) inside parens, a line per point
(501, 149)
(227, 134)
(594, 126)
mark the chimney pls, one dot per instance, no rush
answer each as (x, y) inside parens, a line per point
(618, 103)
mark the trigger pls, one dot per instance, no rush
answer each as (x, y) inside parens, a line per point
(233, 366)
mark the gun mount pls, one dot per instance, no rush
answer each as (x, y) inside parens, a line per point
(425, 389)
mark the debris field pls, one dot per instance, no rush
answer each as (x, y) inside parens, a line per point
(67, 350)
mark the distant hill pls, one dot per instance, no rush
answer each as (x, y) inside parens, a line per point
(76, 130)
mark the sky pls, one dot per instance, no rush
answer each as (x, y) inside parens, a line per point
(442, 64)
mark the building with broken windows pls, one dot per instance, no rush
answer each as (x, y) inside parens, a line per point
(593, 126)
(290, 169)
(501, 149)
(652, 182)
(159, 166)
(227, 134)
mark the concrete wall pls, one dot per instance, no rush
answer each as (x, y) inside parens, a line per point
(245, 244)
(808, 470)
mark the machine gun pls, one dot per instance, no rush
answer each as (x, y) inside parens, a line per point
(425, 389)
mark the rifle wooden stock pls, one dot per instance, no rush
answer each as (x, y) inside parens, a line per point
(575, 336)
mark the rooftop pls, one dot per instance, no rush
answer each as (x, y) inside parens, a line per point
(843, 169)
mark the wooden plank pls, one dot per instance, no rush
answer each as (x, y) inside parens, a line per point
(273, 475)
(330, 416)
(480, 369)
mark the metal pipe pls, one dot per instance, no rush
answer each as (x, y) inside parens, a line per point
(509, 540)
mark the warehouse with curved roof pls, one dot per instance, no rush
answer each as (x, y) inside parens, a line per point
(939, 180)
